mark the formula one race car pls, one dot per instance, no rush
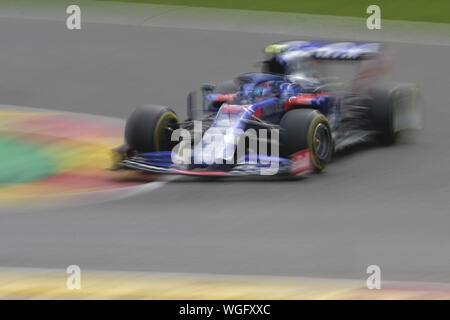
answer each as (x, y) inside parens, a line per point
(288, 119)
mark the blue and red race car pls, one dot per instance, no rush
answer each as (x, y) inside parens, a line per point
(288, 119)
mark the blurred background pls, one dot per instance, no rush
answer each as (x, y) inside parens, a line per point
(60, 206)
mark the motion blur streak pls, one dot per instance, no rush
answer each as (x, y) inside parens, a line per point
(49, 155)
(385, 206)
(51, 284)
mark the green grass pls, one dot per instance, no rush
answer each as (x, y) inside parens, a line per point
(413, 10)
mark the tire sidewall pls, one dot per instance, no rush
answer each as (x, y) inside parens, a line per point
(145, 125)
(298, 127)
(386, 98)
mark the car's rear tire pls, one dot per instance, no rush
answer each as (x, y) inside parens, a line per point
(149, 129)
(394, 108)
(306, 129)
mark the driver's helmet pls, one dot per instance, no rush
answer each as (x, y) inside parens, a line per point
(265, 90)
(244, 94)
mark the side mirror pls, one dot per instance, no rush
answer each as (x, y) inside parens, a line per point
(193, 108)
(206, 88)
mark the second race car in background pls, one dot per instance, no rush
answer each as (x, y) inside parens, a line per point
(315, 113)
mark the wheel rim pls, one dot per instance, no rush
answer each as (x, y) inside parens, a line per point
(163, 132)
(166, 142)
(321, 141)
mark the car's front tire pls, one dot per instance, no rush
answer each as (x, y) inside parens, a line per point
(307, 129)
(149, 129)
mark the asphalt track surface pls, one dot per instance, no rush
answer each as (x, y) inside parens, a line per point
(387, 206)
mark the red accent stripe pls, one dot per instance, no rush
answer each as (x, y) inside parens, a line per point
(203, 173)
(302, 99)
(258, 113)
(225, 97)
(232, 108)
(301, 161)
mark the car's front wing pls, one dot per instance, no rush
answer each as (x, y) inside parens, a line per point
(298, 164)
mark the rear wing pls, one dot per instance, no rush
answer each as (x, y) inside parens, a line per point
(324, 50)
